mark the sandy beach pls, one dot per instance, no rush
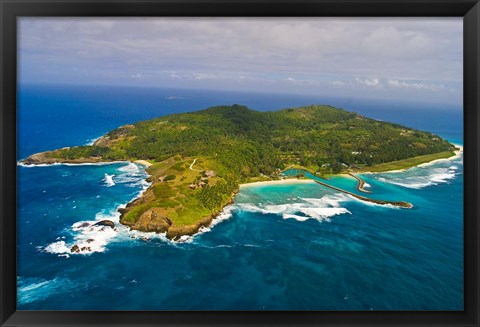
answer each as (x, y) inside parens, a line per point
(460, 149)
(143, 163)
(456, 156)
(279, 182)
(458, 153)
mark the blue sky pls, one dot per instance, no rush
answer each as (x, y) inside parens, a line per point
(415, 59)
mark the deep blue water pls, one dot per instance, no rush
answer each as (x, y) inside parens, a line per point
(279, 247)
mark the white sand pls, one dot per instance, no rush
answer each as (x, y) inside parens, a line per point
(143, 163)
(457, 155)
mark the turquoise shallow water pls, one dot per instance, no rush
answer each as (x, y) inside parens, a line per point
(278, 247)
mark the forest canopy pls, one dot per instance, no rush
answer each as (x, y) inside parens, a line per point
(252, 142)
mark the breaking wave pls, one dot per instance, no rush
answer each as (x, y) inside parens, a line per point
(321, 209)
(421, 177)
(226, 214)
(35, 289)
(22, 164)
(108, 179)
(92, 141)
(90, 237)
(130, 168)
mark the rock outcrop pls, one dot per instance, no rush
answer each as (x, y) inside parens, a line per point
(105, 222)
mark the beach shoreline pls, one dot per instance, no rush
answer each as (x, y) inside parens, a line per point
(191, 230)
(143, 163)
(457, 155)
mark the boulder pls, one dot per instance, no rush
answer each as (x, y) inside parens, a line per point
(75, 249)
(105, 222)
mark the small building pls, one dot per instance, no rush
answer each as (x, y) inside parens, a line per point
(210, 173)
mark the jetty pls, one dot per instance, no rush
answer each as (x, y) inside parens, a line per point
(401, 204)
(361, 183)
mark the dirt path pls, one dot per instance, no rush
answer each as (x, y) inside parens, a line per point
(194, 160)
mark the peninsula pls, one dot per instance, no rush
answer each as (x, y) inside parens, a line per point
(197, 160)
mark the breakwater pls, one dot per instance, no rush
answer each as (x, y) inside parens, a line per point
(401, 204)
(361, 183)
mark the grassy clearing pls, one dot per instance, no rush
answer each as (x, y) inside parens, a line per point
(407, 163)
(136, 212)
(174, 194)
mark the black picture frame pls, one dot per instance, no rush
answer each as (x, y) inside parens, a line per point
(11, 10)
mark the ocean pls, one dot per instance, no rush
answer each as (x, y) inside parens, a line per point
(297, 246)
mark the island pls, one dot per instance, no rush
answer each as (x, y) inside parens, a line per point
(197, 160)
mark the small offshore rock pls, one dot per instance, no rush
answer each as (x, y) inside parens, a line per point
(106, 222)
(75, 249)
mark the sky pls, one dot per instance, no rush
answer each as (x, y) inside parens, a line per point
(419, 59)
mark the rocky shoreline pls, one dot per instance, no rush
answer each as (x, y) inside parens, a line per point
(154, 220)
(45, 158)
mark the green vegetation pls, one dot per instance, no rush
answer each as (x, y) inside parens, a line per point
(169, 178)
(233, 144)
(251, 143)
(407, 163)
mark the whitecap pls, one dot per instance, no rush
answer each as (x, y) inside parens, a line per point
(296, 217)
(91, 238)
(22, 164)
(423, 178)
(33, 289)
(224, 215)
(323, 213)
(319, 209)
(57, 247)
(373, 204)
(88, 237)
(332, 200)
(92, 141)
(93, 163)
(129, 168)
(108, 179)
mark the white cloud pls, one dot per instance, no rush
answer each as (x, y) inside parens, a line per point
(415, 85)
(203, 76)
(369, 82)
(175, 75)
(270, 54)
(136, 76)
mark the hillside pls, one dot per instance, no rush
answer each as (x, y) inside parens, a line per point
(199, 158)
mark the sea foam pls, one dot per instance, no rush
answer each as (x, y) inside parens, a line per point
(91, 238)
(33, 289)
(420, 178)
(226, 214)
(22, 164)
(108, 179)
(321, 209)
